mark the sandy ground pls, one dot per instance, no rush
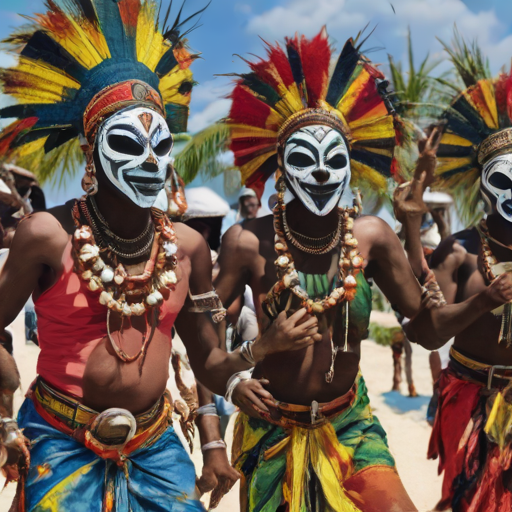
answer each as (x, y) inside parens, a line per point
(402, 417)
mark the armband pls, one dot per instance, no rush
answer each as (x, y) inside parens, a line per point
(432, 296)
(213, 445)
(208, 302)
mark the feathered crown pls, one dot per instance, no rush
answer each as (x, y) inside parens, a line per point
(82, 61)
(478, 126)
(294, 89)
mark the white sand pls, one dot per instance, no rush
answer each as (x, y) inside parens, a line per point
(402, 417)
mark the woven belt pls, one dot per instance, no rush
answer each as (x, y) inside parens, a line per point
(71, 414)
(289, 415)
(482, 372)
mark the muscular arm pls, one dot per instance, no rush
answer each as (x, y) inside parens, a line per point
(212, 366)
(35, 253)
(394, 276)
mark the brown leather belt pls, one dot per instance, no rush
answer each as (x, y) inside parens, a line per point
(307, 416)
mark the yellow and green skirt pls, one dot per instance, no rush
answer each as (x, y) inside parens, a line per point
(301, 462)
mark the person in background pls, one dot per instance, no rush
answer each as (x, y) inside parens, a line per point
(248, 204)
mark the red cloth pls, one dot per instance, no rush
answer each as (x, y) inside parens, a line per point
(71, 323)
(473, 466)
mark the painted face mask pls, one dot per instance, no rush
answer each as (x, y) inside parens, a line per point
(497, 185)
(317, 167)
(134, 148)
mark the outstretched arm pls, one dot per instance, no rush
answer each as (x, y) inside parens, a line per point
(431, 328)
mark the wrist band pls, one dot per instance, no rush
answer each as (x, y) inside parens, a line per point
(233, 382)
(246, 352)
(213, 445)
(207, 410)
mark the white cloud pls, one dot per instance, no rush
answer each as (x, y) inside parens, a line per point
(212, 112)
(209, 91)
(427, 19)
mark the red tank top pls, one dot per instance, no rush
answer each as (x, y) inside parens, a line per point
(71, 322)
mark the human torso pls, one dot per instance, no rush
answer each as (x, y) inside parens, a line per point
(307, 368)
(76, 354)
(479, 340)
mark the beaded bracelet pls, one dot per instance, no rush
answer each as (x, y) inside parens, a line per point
(246, 352)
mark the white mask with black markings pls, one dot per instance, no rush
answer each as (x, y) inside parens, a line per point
(497, 185)
(134, 147)
(317, 167)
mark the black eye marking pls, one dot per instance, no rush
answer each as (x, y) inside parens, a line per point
(337, 161)
(163, 147)
(499, 180)
(300, 160)
(124, 144)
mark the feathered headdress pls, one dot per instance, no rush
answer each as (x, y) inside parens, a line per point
(478, 126)
(293, 89)
(84, 60)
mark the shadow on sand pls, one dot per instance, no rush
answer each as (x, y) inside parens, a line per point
(402, 404)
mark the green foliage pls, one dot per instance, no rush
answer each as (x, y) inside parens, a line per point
(57, 166)
(202, 152)
(468, 61)
(414, 88)
(383, 335)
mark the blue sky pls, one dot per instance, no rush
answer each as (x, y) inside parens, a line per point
(233, 27)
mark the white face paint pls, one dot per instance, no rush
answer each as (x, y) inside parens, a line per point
(134, 148)
(497, 184)
(317, 166)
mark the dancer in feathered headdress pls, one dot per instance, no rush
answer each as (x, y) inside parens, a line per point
(317, 446)
(109, 272)
(472, 425)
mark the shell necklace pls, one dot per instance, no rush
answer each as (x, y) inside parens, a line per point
(350, 264)
(128, 295)
(492, 269)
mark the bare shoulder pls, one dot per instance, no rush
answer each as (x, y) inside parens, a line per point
(40, 238)
(189, 240)
(373, 231)
(453, 251)
(246, 237)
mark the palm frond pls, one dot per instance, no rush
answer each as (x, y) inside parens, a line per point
(202, 152)
(467, 59)
(57, 166)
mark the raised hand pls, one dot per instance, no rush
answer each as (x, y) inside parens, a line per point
(408, 197)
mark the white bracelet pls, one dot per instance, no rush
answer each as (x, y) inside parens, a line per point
(207, 410)
(212, 445)
(233, 382)
(246, 352)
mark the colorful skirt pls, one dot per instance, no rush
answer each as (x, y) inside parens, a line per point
(299, 458)
(73, 473)
(472, 437)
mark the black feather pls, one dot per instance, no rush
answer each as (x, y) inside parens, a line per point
(344, 69)
(380, 163)
(452, 151)
(59, 137)
(42, 47)
(167, 62)
(89, 11)
(263, 90)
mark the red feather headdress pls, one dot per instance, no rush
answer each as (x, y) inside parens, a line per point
(294, 88)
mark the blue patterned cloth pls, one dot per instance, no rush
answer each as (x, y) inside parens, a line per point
(66, 476)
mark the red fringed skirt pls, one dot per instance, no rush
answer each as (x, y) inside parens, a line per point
(477, 476)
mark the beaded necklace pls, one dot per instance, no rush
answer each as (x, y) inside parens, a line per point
(350, 264)
(492, 269)
(125, 294)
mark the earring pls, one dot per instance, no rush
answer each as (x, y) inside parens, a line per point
(175, 189)
(89, 181)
